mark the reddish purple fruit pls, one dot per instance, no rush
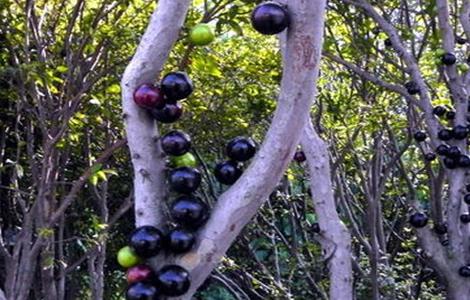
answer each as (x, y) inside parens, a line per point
(170, 113)
(227, 172)
(149, 96)
(299, 156)
(177, 86)
(270, 18)
(139, 273)
(175, 143)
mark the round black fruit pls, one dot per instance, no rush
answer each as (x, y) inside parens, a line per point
(184, 180)
(450, 115)
(439, 111)
(316, 227)
(176, 143)
(388, 43)
(463, 161)
(270, 18)
(299, 156)
(419, 136)
(176, 86)
(465, 218)
(448, 59)
(464, 271)
(241, 149)
(170, 113)
(454, 152)
(442, 149)
(450, 163)
(460, 40)
(466, 199)
(445, 243)
(429, 156)
(227, 172)
(412, 88)
(189, 212)
(142, 291)
(180, 240)
(440, 228)
(444, 134)
(146, 241)
(459, 132)
(418, 220)
(173, 280)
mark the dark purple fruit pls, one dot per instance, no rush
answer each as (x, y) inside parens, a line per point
(460, 40)
(454, 152)
(241, 149)
(467, 187)
(270, 18)
(139, 273)
(430, 156)
(464, 271)
(465, 218)
(142, 291)
(176, 86)
(180, 240)
(147, 241)
(299, 156)
(388, 43)
(450, 163)
(189, 212)
(419, 136)
(450, 115)
(439, 111)
(459, 132)
(170, 113)
(445, 243)
(184, 180)
(316, 227)
(227, 172)
(448, 59)
(444, 134)
(463, 161)
(176, 143)
(442, 149)
(466, 199)
(173, 280)
(149, 96)
(418, 220)
(412, 88)
(440, 228)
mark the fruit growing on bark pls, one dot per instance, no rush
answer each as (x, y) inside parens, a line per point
(419, 136)
(412, 88)
(149, 96)
(448, 59)
(173, 280)
(241, 149)
(176, 86)
(139, 273)
(185, 160)
(418, 220)
(388, 43)
(299, 156)
(270, 18)
(146, 241)
(176, 143)
(189, 212)
(227, 172)
(466, 199)
(459, 132)
(127, 257)
(180, 240)
(464, 271)
(454, 152)
(463, 161)
(450, 163)
(460, 40)
(439, 111)
(184, 180)
(440, 228)
(444, 134)
(429, 156)
(201, 35)
(142, 291)
(465, 218)
(442, 149)
(316, 227)
(450, 115)
(169, 113)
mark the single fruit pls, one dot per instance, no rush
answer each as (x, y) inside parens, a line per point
(450, 115)
(444, 134)
(464, 271)
(460, 40)
(185, 160)
(442, 149)
(177, 85)
(227, 172)
(463, 161)
(454, 152)
(316, 227)
(149, 96)
(147, 241)
(466, 198)
(299, 156)
(467, 187)
(419, 136)
(175, 143)
(445, 243)
(139, 273)
(142, 291)
(170, 113)
(459, 132)
(270, 18)
(173, 280)
(180, 240)
(429, 156)
(450, 163)
(241, 149)
(388, 43)
(439, 111)
(201, 35)
(440, 228)
(127, 257)
(418, 220)
(189, 212)
(448, 59)
(184, 180)
(463, 68)
(412, 88)
(465, 218)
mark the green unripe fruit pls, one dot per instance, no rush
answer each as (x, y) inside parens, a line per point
(185, 160)
(201, 35)
(439, 52)
(463, 67)
(127, 258)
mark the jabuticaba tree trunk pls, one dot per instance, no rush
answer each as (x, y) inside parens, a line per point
(336, 243)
